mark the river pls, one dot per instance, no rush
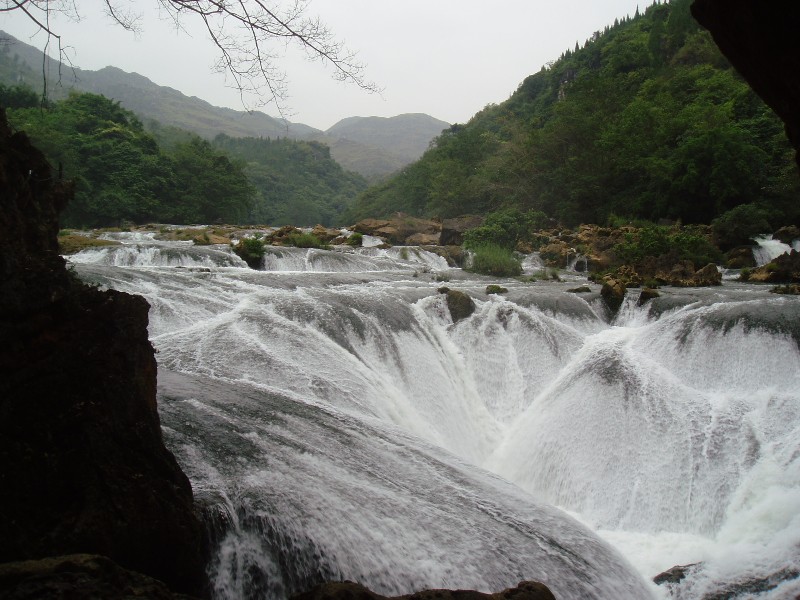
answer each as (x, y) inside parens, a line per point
(337, 424)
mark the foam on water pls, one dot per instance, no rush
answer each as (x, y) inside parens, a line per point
(330, 450)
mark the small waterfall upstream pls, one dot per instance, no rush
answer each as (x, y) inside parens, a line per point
(768, 249)
(337, 424)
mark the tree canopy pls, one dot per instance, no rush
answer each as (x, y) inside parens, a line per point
(646, 120)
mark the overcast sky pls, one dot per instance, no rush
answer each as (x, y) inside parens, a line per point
(446, 58)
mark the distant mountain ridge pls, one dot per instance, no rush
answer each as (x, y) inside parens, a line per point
(371, 146)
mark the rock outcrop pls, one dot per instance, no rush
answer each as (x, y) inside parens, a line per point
(459, 304)
(85, 468)
(401, 229)
(347, 590)
(78, 577)
(453, 229)
(760, 39)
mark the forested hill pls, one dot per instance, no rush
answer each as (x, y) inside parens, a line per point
(122, 172)
(646, 120)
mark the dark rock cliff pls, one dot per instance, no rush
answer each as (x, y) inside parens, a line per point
(84, 467)
(761, 40)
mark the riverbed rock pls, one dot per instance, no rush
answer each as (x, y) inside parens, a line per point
(613, 293)
(348, 590)
(325, 234)
(459, 304)
(398, 228)
(647, 294)
(787, 234)
(453, 229)
(740, 257)
(783, 269)
(423, 239)
(84, 468)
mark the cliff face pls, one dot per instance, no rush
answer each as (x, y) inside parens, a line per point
(760, 39)
(84, 467)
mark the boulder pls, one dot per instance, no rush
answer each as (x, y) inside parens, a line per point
(398, 229)
(325, 234)
(784, 269)
(556, 254)
(453, 229)
(85, 468)
(647, 294)
(613, 293)
(707, 276)
(459, 304)
(787, 234)
(347, 590)
(740, 257)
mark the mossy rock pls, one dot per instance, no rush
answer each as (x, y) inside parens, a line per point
(496, 289)
(460, 305)
(73, 243)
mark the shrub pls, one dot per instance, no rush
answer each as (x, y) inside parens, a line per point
(251, 251)
(655, 241)
(505, 228)
(355, 239)
(744, 275)
(305, 240)
(490, 259)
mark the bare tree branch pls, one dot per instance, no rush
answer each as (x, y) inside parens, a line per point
(247, 34)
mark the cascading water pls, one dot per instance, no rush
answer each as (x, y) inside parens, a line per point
(768, 249)
(336, 423)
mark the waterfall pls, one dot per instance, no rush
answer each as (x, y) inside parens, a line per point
(339, 424)
(767, 249)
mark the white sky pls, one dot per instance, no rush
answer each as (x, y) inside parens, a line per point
(446, 58)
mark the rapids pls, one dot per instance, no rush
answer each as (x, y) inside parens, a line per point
(336, 424)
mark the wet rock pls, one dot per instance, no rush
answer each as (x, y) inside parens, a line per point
(740, 257)
(459, 304)
(454, 255)
(556, 254)
(707, 276)
(584, 289)
(675, 574)
(453, 229)
(347, 590)
(784, 269)
(791, 289)
(787, 234)
(78, 577)
(613, 293)
(85, 468)
(496, 289)
(647, 294)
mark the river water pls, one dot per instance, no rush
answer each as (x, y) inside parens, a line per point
(337, 424)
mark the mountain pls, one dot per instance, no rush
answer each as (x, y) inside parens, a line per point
(646, 120)
(371, 146)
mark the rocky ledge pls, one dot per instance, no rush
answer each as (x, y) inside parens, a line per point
(85, 468)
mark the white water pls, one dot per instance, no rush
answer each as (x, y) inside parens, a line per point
(347, 421)
(768, 249)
